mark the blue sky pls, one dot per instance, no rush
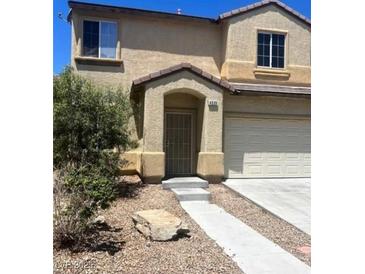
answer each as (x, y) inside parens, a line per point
(205, 8)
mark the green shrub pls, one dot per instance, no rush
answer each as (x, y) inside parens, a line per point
(90, 129)
(87, 120)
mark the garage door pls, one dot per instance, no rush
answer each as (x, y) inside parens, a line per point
(266, 147)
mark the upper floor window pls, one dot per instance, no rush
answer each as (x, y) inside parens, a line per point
(270, 50)
(100, 39)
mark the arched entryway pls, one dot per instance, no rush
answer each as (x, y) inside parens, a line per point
(183, 99)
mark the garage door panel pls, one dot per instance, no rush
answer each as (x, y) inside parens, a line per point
(267, 147)
(254, 169)
(294, 170)
(251, 156)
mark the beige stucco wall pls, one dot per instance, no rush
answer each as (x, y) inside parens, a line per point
(212, 120)
(148, 44)
(239, 54)
(277, 105)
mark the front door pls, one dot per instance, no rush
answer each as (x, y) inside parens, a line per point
(178, 143)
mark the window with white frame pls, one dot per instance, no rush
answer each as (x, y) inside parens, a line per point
(100, 39)
(270, 50)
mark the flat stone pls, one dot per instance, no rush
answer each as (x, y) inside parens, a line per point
(159, 225)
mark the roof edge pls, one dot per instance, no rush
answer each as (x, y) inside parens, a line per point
(261, 4)
(180, 67)
(221, 17)
(75, 4)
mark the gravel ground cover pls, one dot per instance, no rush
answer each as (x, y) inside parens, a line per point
(197, 254)
(280, 232)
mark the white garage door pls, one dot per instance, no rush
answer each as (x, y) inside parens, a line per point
(266, 148)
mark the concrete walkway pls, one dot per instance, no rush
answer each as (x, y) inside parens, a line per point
(288, 199)
(253, 253)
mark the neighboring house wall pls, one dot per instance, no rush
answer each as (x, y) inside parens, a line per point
(240, 51)
(148, 44)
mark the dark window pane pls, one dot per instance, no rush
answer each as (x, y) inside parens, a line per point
(281, 51)
(260, 38)
(260, 60)
(260, 50)
(266, 61)
(274, 63)
(281, 63)
(267, 39)
(266, 50)
(275, 51)
(91, 38)
(274, 39)
(281, 39)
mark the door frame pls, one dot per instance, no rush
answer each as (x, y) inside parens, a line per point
(192, 113)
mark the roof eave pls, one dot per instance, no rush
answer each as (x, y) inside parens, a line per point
(183, 67)
(109, 8)
(242, 10)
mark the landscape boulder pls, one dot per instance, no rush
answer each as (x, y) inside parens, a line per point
(159, 225)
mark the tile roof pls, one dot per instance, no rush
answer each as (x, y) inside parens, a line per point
(184, 66)
(127, 10)
(234, 88)
(223, 16)
(263, 3)
(270, 89)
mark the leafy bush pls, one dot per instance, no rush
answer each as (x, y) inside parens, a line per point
(90, 129)
(87, 120)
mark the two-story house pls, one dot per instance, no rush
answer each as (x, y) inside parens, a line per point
(226, 97)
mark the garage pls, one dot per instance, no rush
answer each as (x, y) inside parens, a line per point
(267, 147)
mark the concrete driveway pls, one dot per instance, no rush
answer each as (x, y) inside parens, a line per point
(288, 198)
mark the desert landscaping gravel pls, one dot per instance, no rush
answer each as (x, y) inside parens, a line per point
(280, 232)
(197, 254)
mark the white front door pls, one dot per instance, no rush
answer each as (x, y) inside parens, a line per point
(267, 147)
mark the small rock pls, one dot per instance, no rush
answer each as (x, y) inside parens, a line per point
(100, 220)
(159, 225)
(304, 249)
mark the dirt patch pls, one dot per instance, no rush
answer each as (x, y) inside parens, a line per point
(280, 232)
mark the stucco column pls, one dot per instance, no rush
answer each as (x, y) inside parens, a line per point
(211, 157)
(153, 157)
(213, 124)
(153, 121)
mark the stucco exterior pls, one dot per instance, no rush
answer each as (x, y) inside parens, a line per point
(266, 105)
(221, 49)
(160, 43)
(209, 147)
(240, 50)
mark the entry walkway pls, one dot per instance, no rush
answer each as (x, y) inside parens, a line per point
(253, 253)
(288, 198)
